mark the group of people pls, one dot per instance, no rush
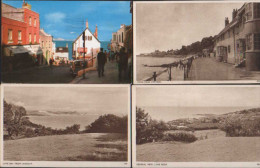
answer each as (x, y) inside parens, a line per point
(121, 58)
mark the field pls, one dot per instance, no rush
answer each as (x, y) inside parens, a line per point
(215, 148)
(77, 147)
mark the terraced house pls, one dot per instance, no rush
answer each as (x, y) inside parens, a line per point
(239, 42)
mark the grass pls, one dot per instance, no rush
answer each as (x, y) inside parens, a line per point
(84, 147)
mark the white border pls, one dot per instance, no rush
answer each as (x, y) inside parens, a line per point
(135, 81)
(65, 163)
(181, 164)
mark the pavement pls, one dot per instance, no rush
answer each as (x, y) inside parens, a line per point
(110, 76)
(211, 69)
(39, 74)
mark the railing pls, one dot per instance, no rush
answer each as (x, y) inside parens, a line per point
(184, 64)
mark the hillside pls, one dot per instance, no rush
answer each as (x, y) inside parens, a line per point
(220, 149)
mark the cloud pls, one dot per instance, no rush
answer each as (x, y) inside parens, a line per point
(55, 17)
(72, 32)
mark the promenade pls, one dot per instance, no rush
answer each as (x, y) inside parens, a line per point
(211, 69)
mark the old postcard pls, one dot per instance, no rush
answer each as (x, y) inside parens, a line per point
(65, 126)
(196, 42)
(196, 126)
(66, 42)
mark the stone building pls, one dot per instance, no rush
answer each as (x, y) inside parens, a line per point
(239, 41)
(46, 45)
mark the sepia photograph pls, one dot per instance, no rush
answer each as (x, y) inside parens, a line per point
(183, 42)
(86, 124)
(76, 42)
(195, 124)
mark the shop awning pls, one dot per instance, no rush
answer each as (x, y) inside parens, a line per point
(12, 50)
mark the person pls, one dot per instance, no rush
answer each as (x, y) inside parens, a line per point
(101, 60)
(51, 62)
(122, 63)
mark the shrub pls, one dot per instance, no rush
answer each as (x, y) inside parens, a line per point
(108, 123)
(179, 136)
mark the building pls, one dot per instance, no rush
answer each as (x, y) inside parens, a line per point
(92, 44)
(46, 45)
(120, 38)
(239, 41)
(61, 54)
(20, 37)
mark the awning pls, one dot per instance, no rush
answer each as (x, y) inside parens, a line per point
(34, 49)
(12, 50)
(30, 49)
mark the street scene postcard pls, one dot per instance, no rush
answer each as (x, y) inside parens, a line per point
(187, 42)
(85, 42)
(65, 126)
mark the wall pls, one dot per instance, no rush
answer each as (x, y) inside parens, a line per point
(47, 47)
(15, 26)
(31, 28)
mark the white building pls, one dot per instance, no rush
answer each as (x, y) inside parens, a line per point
(92, 44)
(61, 54)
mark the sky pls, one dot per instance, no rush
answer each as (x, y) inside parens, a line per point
(173, 102)
(67, 19)
(86, 100)
(198, 96)
(167, 26)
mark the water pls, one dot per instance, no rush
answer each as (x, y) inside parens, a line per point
(62, 121)
(173, 113)
(63, 44)
(143, 72)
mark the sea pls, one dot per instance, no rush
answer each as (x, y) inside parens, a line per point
(143, 72)
(62, 121)
(63, 43)
(174, 113)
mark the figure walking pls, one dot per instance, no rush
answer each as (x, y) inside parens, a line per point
(122, 63)
(101, 59)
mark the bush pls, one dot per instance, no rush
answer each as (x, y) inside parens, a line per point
(241, 127)
(148, 130)
(108, 123)
(179, 136)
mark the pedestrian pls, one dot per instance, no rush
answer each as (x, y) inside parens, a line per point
(51, 62)
(122, 63)
(101, 60)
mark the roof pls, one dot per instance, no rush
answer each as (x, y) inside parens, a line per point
(43, 33)
(82, 33)
(233, 22)
(62, 49)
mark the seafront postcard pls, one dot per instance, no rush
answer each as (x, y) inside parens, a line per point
(76, 42)
(196, 42)
(65, 126)
(196, 126)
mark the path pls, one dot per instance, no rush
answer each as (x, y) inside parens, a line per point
(210, 69)
(111, 76)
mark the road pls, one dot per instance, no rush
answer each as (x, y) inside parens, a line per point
(110, 76)
(42, 74)
(210, 69)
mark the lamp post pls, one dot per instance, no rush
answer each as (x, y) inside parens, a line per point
(84, 62)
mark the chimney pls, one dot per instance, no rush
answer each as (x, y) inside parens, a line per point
(234, 14)
(226, 21)
(26, 5)
(122, 25)
(96, 32)
(87, 23)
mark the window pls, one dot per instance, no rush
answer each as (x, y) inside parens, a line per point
(34, 38)
(228, 48)
(42, 44)
(30, 20)
(19, 35)
(122, 37)
(248, 11)
(256, 10)
(249, 39)
(34, 22)
(114, 37)
(30, 38)
(89, 38)
(10, 35)
(257, 41)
